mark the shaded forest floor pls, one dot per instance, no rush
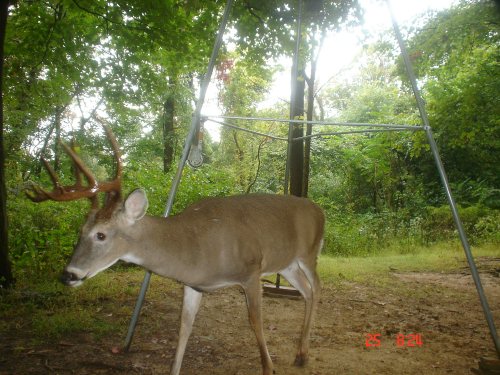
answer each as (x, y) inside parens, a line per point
(442, 308)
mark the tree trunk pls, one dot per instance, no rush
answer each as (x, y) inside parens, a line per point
(310, 115)
(168, 129)
(297, 147)
(6, 277)
(310, 110)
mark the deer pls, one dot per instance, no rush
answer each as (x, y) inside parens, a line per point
(214, 243)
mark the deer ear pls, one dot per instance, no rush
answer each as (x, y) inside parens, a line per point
(136, 205)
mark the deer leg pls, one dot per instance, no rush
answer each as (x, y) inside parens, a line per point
(253, 294)
(190, 306)
(306, 281)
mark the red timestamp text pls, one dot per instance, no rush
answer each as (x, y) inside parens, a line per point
(412, 340)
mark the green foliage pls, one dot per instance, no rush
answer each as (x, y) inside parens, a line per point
(456, 56)
(382, 191)
(248, 156)
(42, 237)
(266, 28)
(113, 56)
(368, 234)
(480, 223)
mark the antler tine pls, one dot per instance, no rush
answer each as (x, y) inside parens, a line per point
(78, 190)
(115, 185)
(78, 180)
(116, 151)
(52, 174)
(66, 193)
(76, 171)
(81, 166)
(37, 194)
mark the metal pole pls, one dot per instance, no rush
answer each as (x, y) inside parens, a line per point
(175, 183)
(137, 310)
(444, 181)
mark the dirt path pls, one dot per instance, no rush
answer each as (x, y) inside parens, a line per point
(442, 309)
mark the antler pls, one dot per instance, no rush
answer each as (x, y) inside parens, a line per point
(78, 190)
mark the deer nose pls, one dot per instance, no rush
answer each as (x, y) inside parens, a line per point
(69, 278)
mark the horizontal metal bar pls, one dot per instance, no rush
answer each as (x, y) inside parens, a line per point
(317, 135)
(326, 123)
(250, 131)
(326, 134)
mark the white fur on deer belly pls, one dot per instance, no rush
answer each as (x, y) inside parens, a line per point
(129, 258)
(213, 286)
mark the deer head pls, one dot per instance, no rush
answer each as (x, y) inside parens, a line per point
(104, 239)
(98, 246)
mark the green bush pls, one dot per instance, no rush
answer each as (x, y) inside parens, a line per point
(487, 228)
(481, 224)
(359, 235)
(41, 236)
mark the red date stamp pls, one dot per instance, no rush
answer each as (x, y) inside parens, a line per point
(412, 340)
(373, 340)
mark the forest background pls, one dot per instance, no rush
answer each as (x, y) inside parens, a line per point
(139, 66)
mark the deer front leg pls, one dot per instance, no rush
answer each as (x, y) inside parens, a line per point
(190, 307)
(254, 300)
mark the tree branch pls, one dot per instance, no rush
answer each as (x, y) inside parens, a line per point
(261, 145)
(253, 13)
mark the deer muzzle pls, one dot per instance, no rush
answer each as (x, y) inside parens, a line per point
(71, 279)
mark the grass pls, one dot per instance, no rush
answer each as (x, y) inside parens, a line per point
(48, 312)
(438, 258)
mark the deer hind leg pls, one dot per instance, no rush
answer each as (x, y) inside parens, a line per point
(305, 279)
(190, 307)
(253, 294)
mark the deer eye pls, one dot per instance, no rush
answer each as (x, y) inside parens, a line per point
(100, 236)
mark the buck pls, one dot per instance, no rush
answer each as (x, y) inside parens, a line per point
(215, 243)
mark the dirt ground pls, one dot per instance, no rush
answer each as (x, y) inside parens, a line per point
(442, 309)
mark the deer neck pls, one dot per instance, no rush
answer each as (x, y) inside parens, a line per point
(154, 243)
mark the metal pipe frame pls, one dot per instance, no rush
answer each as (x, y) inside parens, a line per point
(254, 132)
(322, 123)
(387, 127)
(318, 135)
(185, 153)
(444, 180)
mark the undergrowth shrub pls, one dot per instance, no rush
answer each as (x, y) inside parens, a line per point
(41, 236)
(481, 224)
(351, 234)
